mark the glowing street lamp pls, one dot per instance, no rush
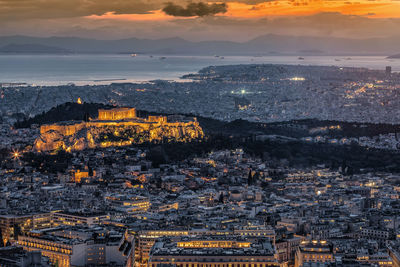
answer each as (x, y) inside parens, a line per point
(15, 154)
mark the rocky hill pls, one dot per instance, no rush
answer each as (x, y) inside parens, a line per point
(116, 129)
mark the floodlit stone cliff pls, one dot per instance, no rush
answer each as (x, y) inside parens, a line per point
(117, 127)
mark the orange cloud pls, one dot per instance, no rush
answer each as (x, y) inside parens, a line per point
(156, 15)
(277, 8)
(378, 9)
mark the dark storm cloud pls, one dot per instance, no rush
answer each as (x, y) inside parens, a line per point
(194, 9)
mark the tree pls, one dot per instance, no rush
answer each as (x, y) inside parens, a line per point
(90, 170)
(1, 238)
(250, 178)
(221, 197)
(17, 231)
(86, 116)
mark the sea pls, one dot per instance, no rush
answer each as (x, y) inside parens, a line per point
(49, 70)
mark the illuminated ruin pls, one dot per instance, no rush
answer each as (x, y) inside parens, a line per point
(117, 114)
(116, 127)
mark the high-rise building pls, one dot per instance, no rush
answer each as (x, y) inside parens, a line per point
(388, 70)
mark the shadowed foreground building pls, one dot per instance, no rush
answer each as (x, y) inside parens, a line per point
(17, 257)
(80, 246)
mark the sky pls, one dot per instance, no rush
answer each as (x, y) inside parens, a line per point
(238, 20)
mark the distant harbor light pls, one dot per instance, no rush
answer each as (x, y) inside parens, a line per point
(297, 79)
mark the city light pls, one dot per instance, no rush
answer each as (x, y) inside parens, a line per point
(245, 166)
(15, 154)
(297, 79)
(119, 121)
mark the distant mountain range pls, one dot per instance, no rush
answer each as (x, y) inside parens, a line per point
(264, 45)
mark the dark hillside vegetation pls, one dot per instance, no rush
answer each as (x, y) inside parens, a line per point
(241, 134)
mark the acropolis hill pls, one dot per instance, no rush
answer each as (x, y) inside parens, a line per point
(116, 127)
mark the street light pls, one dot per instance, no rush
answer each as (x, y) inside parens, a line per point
(15, 154)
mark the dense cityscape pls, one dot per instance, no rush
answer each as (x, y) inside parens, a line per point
(262, 93)
(194, 133)
(116, 187)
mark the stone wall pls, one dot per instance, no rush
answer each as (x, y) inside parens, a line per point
(70, 129)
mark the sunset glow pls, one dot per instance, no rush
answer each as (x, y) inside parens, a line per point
(371, 9)
(304, 8)
(234, 20)
(156, 15)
